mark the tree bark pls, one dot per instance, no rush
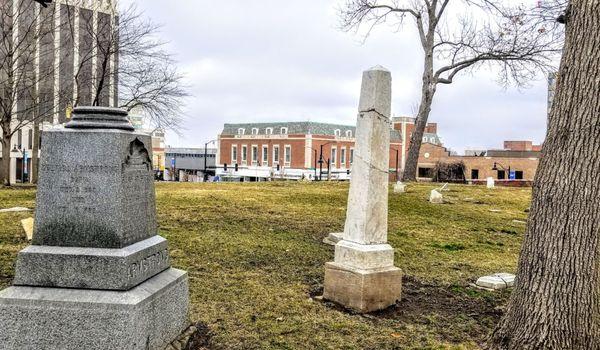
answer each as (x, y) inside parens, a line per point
(556, 300)
(5, 164)
(35, 151)
(427, 92)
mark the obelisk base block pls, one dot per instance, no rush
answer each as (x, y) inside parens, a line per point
(147, 317)
(363, 276)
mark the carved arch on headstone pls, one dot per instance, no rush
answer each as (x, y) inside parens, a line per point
(138, 155)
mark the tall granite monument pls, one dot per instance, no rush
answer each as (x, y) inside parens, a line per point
(97, 275)
(363, 276)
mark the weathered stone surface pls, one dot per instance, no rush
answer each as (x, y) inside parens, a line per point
(28, 228)
(146, 317)
(436, 197)
(364, 256)
(362, 276)
(333, 238)
(366, 217)
(95, 189)
(496, 281)
(92, 268)
(399, 187)
(362, 290)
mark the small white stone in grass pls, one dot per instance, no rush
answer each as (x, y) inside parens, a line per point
(399, 187)
(490, 182)
(496, 281)
(436, 197)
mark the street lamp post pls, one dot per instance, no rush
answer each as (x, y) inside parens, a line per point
(397, 162)
(495, 168)
(321, 161)
(205, 156)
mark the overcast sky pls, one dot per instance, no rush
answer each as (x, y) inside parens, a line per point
(275, 60)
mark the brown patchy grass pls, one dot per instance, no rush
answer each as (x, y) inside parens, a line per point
(255, 262)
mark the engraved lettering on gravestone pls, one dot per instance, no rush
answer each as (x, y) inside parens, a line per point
(149, 263)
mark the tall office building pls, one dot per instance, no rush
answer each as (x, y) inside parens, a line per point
(55, 58)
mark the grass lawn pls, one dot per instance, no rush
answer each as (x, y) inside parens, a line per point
(255, 259)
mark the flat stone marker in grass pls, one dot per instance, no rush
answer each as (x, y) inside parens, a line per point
(363, 276)
(496, 281)
(97, 275)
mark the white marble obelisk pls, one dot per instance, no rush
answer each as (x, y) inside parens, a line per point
(363, 276)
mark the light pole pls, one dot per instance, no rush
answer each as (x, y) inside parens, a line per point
(321, 161)
(495, 168)
(205, 156)
(397, 162)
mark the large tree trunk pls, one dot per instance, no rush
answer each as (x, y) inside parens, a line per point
(427, 92)
(556, 300)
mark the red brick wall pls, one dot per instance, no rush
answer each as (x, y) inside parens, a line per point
(296, 142)
(483, 164)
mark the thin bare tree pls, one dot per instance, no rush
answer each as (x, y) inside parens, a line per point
(556, 300)
(145, 73)
(458, 37)
(23, 26)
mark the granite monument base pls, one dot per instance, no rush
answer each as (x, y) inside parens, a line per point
(147, 317)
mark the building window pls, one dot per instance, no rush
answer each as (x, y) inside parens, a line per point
(337, 132)
(241, 131)
(501, 174)
(351, 155)
(348, 133)
(234, 154)
(19, 138)
(474, 174)
(288, 155)
(244, 154)
(518, 175)
(426, 172)
(265, 155)
(284, 131)
(269, 131)
(333, 160)
(275, 154)
(254, 155)
(343, 157)
(254, 131)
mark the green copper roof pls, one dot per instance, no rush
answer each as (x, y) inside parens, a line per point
(303, 128)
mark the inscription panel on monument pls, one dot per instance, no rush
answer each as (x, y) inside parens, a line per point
(77, 206)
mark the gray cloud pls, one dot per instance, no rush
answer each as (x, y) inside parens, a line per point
(274, 60)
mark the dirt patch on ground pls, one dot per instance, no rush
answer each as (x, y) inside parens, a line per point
(456, 314)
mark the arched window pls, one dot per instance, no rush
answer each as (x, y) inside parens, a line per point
(348, 133)
(254, 131)
(284, 131)
(269, 131)
(241, 131)
(338, 132)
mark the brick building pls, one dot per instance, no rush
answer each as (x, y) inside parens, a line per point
(292, 150)
(509, 164)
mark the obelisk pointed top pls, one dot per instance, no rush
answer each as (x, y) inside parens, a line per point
(378, 67)
(376, 91)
